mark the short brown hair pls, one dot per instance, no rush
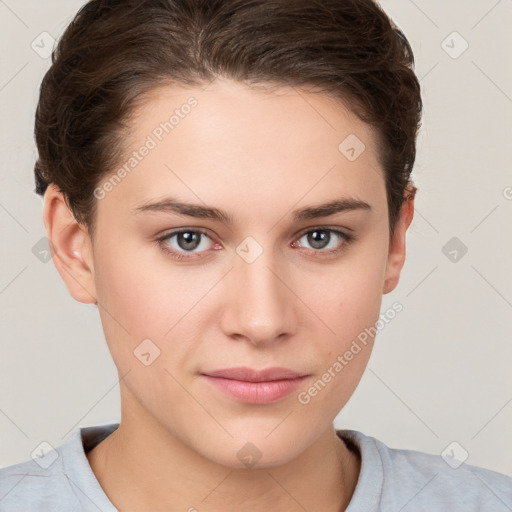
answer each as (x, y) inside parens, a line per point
(116, 51)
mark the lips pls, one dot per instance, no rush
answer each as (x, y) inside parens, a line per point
(255, 386)
(250, 375)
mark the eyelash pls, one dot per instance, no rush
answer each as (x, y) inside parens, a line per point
(183, 255)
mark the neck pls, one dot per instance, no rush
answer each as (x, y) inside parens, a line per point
(156, 471)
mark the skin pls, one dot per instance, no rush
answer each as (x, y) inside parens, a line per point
(257, 155)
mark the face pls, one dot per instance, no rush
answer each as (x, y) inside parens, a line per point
(252, 284)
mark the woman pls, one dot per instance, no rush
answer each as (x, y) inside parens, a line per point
(229, 181)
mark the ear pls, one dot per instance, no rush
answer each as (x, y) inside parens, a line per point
(70, 245)
(396, 253)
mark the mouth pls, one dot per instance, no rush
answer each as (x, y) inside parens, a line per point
(255, 386)
(249, 375)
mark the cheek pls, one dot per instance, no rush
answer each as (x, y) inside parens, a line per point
(350, 298)
(144, 296)
(134, 298)
(141, 290)
(350, 307)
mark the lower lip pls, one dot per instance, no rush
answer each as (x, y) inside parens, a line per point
(256, 392)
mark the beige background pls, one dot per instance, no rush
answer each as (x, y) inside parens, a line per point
(440, 371)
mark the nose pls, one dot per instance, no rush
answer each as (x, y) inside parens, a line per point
(259, 305)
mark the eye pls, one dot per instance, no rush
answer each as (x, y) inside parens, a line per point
(325, 240)
(185, 241)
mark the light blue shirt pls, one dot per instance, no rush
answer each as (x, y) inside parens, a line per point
(391, 480)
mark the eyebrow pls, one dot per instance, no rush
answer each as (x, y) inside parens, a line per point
(172, 205)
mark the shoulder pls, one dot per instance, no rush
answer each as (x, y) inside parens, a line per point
(57, 479)
(432, 479)
(28, 486)
(410, 480)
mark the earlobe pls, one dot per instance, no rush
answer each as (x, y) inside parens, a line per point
(397, 245)
(70, 245)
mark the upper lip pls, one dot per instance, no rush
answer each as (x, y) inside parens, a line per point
(248, 374)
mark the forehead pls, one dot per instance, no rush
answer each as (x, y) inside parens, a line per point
(232, 142)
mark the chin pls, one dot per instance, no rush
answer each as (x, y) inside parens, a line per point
(248, 452)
